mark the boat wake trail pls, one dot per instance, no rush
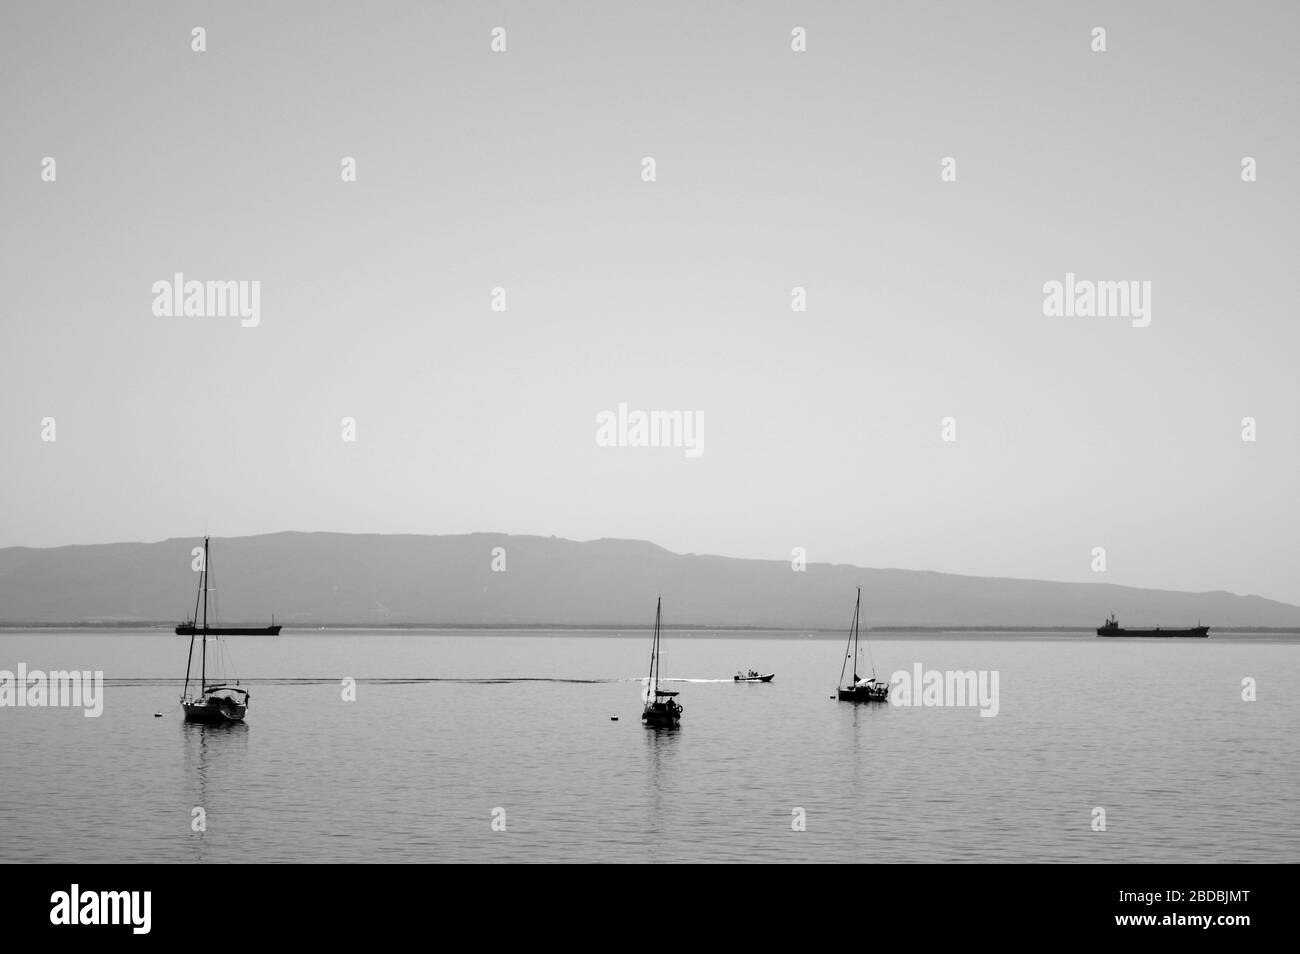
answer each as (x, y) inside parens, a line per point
(670, 679)
(367, 680)
(675, 679)
(126, 681)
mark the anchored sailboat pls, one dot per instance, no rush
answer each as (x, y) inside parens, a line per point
(859, 690)
(216, 703)
(661, 708)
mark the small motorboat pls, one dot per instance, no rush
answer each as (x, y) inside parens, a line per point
(753, 675)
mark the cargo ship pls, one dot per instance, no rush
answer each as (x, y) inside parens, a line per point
(189, 629)
(1112, 628)
(192, 627)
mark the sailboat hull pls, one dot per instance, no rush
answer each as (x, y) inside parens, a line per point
(662, 716)
(653, 721)
(213, 712)
(863, 694)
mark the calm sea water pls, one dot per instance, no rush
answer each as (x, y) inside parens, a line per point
(447, 728)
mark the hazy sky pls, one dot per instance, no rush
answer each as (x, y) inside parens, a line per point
(774, 169)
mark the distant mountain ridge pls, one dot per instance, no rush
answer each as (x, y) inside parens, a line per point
(313, 579)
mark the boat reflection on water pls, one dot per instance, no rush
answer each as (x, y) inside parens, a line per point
(216, 752)
(663, 786)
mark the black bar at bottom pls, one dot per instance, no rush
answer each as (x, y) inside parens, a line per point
(222, 905)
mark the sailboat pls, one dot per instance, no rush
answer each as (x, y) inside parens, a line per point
(859, 690)
(661, 708)
(212, 704)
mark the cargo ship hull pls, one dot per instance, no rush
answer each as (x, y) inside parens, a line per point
(1195, 631)
(191, 630)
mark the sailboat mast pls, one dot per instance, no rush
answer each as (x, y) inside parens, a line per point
(654, 652)
(198, 594)
(857, 611)
(853, 628)
(203, 679)
(659, 634)
(194, 620)
(189, 661)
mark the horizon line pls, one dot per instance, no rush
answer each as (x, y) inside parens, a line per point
(164, 625)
